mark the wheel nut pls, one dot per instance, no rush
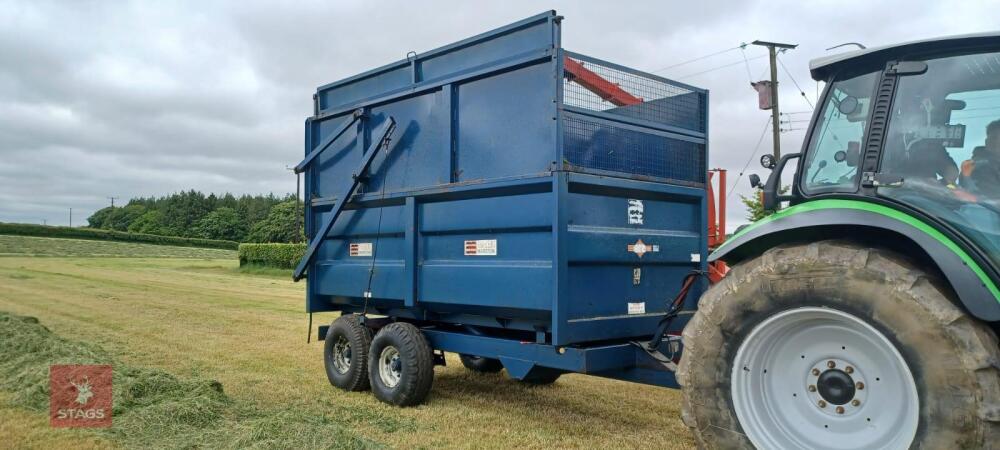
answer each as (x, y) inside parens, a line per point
(849, 369)
(855, 402)
(831, 364)
(815, 372)
(840, 410)
(812, 388)
(822, 404)
(860, 385)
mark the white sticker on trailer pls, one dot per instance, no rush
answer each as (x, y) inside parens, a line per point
(637, 308)
(481, 247)
(361, 249)
(696, 257)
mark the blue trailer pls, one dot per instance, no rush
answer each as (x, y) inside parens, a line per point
(503, 198)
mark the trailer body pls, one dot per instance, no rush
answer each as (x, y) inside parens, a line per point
(513, 199)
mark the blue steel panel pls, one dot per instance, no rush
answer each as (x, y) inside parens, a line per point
(421, 157)
(505, 124)
(341, 158)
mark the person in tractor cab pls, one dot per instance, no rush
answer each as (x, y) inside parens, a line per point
(923, 159)
(981, 173)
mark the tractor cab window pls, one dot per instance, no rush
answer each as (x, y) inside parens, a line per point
(835, 146)
(943, 143)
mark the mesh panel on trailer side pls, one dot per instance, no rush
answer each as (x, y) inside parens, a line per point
(593, 145)
(632, 95)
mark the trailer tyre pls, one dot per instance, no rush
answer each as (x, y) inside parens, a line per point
(400, 365)
(835, 345)
(345, 353)
(480, 364)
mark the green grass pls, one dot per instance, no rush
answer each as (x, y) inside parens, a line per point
(41, 246)
(153, 408)
(196, 321)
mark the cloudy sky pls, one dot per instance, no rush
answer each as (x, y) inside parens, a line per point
(126, 99)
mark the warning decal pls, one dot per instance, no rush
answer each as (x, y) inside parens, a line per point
(641, 248)
(361, 249)
(481, 247)
(637, 308)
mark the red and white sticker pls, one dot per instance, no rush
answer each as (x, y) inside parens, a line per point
(481, 247)
(641, 248)
(361, 249)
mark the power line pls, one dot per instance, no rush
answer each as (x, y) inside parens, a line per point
(698, 58)
(719, 67)
(796, 83)
(752, 155)
(747, 62)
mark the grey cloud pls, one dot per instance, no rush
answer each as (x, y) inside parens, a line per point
(147, 98)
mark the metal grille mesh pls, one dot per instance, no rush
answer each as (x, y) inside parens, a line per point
(661, 101)
(592, 145)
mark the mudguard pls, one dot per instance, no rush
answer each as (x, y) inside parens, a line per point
(977, 292)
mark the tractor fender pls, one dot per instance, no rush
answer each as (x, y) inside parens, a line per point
(835, 219)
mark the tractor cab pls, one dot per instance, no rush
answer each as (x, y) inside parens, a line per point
(914, 126)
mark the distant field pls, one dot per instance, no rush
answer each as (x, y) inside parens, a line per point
(203, 319)
(39, 246)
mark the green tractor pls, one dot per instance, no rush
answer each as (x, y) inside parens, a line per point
(864, 314)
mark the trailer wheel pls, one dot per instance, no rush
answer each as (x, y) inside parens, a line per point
(345, 353)
(541, 376)
(400, 365)
(832, 345)
(480, 364)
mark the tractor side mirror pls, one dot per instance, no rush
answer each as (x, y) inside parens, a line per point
(772, 198)
(754, 181)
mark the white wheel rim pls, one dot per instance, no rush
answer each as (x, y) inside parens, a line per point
(781, 402)
(389, 367)
(342, 355)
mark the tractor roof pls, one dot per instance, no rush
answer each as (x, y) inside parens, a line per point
(821, 68)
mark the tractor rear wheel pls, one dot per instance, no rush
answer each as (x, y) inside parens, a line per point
(832, 345)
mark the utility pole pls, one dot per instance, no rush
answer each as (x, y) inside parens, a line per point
(112, 200)
(775, 122)
(71, 217)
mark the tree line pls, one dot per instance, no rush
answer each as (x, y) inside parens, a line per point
(247, 218)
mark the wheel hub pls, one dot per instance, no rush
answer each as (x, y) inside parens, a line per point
(342, 355)
(820, 378)
(390, 367)
(836, 386)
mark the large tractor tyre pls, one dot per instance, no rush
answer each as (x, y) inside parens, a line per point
(832, 345)
(345, 353)
(400, 365)
(481, 364)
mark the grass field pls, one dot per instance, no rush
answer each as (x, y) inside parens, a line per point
(39, 246)
(204, 319)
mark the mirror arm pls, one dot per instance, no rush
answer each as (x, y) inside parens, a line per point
(772, 198)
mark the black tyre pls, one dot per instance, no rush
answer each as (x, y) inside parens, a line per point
(345, 353)
(400, 365)
(834, 345)
(541, 376)
(480, 364)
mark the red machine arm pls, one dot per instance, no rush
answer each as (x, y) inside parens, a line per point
(597, 84)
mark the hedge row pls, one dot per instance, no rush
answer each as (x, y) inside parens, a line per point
(23, 229)
(284, 256)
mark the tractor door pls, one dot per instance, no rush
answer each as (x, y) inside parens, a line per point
(942, 146)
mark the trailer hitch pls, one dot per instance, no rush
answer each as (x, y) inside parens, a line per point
(652, 346)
